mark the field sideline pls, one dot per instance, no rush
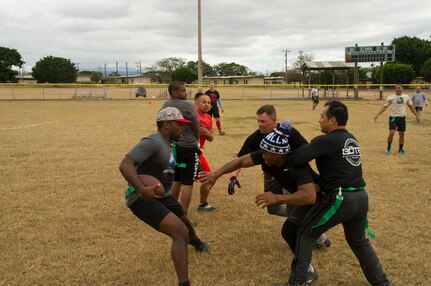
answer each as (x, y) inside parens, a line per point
(64, 222)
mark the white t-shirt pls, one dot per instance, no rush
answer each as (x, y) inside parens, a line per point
(314, 92)
(397, 104)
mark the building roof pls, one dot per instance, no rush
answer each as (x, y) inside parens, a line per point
(334, 65)
(234, 77)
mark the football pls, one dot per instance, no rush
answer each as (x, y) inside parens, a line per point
(148, 180)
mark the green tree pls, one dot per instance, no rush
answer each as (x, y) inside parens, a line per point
(232, 69)
(55, 70)
(362, 75)
(96, 77)
(413, 51)
(302, 58)
(394, 73)
(207, 70)
(85, 72)
(426, 70)
(162, 69)
(184, 74)
(8, 59)
(294, 76)
(277, 74)
(155, 76)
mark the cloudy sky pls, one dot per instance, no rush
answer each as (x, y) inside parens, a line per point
(248, 32)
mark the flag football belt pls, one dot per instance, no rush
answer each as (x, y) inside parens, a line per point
(334, 208)
(393, 118)
(130, 190)
(174, 153)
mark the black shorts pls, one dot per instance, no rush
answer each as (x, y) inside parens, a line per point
(189, 159)
(397, 123)
(154, 211)
(214, 112)
(418, 108)
(315, 99)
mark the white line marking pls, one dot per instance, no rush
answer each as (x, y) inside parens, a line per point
(32, 125)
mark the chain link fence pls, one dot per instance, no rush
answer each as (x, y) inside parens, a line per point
(160, 92)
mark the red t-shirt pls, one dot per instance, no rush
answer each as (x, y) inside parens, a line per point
(204, 121)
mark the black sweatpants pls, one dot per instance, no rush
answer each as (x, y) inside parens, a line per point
(352, 214)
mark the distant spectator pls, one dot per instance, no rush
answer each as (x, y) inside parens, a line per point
(397, 116)
(315, 97)
(419, 99)
(214, 112)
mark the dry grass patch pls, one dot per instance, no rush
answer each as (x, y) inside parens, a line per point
(64, 221)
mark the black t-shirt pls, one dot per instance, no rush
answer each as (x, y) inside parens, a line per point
(287, 178)
(252, 143)
(214, 95)
(338, 159)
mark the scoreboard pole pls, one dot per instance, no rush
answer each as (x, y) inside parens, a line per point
(367, 54)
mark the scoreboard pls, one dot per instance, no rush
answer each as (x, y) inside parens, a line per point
(370, 54)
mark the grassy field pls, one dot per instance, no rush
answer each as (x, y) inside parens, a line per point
(64, 222)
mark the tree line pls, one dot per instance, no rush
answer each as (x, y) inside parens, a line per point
(413, 58)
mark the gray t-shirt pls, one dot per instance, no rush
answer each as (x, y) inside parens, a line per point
(189, 112)
(154, 157)
(419, 99)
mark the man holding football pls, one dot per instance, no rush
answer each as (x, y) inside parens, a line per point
(152, 156)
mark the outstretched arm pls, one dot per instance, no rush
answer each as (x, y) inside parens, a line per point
(305, 195)
(380, 112)
(237, 163)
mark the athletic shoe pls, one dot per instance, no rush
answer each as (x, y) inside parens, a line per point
(312, 276)
(199, 245)
(389, 283)
(402, 152)
(388, 151)
(327, 243)
(221, 132)
(206, 208)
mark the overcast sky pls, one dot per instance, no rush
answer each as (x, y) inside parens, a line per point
(248, 32)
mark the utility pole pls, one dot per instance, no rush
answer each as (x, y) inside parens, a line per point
(381, 78)
(116, 68)
(140, 68)
(285, 63)
(356, 79)
(77, 66)
(105, 69)
(127, 72)
(199, 47)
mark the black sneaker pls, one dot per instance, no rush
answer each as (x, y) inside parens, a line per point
(312, 276)
(327, 243)
(389, 283)
(199, 245)
(206, 208)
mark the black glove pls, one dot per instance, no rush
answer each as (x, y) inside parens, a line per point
(231, 187)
